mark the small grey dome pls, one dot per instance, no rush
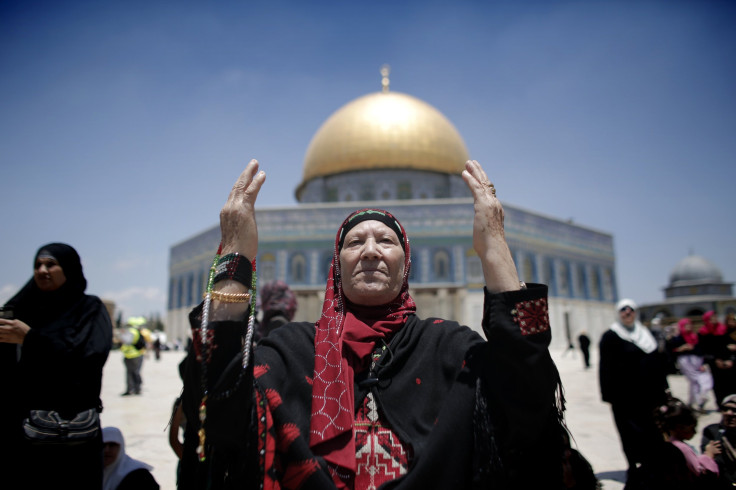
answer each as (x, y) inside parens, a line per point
(695, 268)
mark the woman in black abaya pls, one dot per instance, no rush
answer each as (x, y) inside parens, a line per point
(52, 351)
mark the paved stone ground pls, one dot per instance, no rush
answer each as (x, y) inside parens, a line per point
(144, 419)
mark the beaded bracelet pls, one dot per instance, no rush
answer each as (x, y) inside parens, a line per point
(228, 297)
(248, 271)
(234, 266)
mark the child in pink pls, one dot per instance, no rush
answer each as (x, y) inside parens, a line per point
(678, 423)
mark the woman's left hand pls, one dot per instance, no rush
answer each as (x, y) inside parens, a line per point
(489, 241)
(13, 331)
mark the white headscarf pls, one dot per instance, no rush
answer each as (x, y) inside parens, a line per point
(124, 464)
(639, 334)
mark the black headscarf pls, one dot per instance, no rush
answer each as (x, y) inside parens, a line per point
(70, 337)
(38, 308)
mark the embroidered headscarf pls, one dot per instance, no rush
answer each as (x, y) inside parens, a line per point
(687, 335)
(276, 298)
(346, 335)
(711, 327)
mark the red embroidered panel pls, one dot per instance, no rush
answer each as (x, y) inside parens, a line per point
(531, 316)
(273, 442)
(197, 343)
(380, 455)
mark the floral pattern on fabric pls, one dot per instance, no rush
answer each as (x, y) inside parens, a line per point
(380, 455)
(274, 442)
(266, 443)
(531, 316)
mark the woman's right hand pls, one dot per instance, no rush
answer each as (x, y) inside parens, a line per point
(238, 217)
(13, 331)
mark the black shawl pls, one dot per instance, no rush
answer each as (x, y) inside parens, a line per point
(63, 354)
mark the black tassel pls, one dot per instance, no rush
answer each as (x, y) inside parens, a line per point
(487, 464)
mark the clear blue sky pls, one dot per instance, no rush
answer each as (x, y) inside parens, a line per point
(124, 124)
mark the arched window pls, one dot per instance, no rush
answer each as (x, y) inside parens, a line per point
(595, 283)
(172, 293)
(180, 293)
(404, 190)
(267, 267)
(441, 265)
(298, 269)
(475, 269)
(201, 283)
(582, 287)
(607, 284)
(414, 268)
(564, 285)
(326, 261)
(549, 276)
(190, 289)
(367, 193)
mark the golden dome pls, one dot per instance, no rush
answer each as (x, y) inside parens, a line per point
(384, 130)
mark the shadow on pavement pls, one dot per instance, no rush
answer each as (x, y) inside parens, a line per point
(619, 476)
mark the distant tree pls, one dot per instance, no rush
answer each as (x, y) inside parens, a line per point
(119, 320)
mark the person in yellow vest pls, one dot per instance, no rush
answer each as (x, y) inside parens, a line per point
(133, 349)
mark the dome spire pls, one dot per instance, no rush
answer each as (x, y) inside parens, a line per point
(385, 70)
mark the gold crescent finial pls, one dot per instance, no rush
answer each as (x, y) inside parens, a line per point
(385, 70)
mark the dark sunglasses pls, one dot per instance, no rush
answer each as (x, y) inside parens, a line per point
(626, 308)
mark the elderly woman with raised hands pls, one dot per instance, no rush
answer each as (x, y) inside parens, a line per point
(371, 396)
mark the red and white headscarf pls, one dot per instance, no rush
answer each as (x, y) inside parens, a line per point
(346, 335)
(688, 336)
(711, 327)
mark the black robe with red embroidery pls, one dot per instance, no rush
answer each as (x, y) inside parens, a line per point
(475, 413)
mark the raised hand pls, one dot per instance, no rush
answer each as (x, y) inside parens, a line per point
(238, 217)
(489, 241)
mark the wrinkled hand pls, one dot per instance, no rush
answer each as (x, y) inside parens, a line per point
(13, 331)
(238, 217)
(489, 240)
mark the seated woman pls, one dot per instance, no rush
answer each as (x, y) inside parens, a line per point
(121, 471)
(371, 395)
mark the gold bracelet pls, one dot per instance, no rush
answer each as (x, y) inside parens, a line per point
(229, 297)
